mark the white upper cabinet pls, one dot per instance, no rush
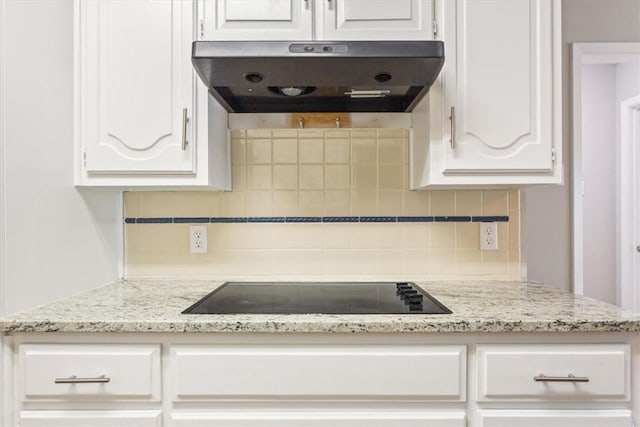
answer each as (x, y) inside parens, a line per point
(375, 19)
(258, 19)
(141, 114)
(495, 112)
(318, 19)
(137, 86)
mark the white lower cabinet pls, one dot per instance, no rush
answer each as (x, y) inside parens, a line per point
(621, 418)
(75, 418)
(313, 419)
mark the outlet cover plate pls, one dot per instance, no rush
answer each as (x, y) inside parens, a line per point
(489, 236)
(198, 239)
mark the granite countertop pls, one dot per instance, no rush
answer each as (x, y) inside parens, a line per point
(477, 306)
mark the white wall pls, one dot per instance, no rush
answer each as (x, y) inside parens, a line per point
(547, 216)
(58, 241)
(599, 166)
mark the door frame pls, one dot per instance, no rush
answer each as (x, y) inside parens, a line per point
(629, 202)
(582, 54)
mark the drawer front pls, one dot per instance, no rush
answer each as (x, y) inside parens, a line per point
(619, 418)
(320, 419)
(47, 371)
(360, 372)
(90, 418)
(508, 372)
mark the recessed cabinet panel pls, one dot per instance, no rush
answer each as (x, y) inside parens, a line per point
(136, 86)
(258, 20)
(498, 78)
(321, 419)
(549, 418)
(376, 19)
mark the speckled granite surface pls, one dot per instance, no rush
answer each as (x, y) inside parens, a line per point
(155, 306)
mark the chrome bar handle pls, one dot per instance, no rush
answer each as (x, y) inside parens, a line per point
(452, 118)
(185, 120)
(75, 380)
(568, 379)
(306, 4)
(301, 122)
(330, 3)
(338, 124)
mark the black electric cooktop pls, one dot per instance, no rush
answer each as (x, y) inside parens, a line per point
(318, 298)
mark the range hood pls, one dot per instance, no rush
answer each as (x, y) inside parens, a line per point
(294, 77)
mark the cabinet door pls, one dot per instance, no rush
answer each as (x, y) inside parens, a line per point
(90, 418)
(498, 78)
(613, 418)
(320, 419)
(258, 19)
(135, 86)
(375, 19)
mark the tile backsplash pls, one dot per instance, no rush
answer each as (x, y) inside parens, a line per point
(326, 205)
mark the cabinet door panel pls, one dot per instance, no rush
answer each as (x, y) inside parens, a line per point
(498, 77)
(621, 418)
(258, 20)
(90, 418)
(311, 419)
(135, 80)
(376, 19)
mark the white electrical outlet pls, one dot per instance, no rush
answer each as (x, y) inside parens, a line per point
(489, 236)
(198, 239)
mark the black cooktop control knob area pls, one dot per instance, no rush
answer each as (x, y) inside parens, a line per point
(414, 299)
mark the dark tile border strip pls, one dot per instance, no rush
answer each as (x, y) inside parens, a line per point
(314, 219)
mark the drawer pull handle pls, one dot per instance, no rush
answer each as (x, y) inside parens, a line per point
(75, 380)
(568, 379)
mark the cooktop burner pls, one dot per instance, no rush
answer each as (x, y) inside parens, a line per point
(318, 298)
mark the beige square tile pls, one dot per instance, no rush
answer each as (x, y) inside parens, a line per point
(238, 133)
(363, 151)
(390, 236)
(495, 202)
(416, 235)
(157, 204)
(233, 236)
(390, 177)
(336, 133)
(176, 237)
(468, 203)
(468, 263)
(514, 200)
(363, 263)
(337, 151)
(257, 263)
(311, 177)
(259, 177)
(286, 236)
(233, 204)
(258, 133)
(514, 231)
(503, 235)
(364, 133)
(443, 235)
(364, 176)
(390, 263)
(337, 177)
(238, 151)
(285, 262)
(187, 203)
(405, 151)
(415, 262)
(337, 203)
(337, 236)
(393, 133)
(133, 204)
(390, 151)
(364, 203)
(259, 203)
(285, 177)
(443, 203)
(311, 236)
(285, 151)
(284, 133)
(258, 151)
(390, 202)
(467, 235)
(311, 151)
(311, 262)
(442, 262)
(211, 204)
(285, 203)
(495, 264)
(364, 236)
(239, 177)
(134, 238)
(337, 262)
(415, 203)
(213, 234)
(311, 203)
(310, 133)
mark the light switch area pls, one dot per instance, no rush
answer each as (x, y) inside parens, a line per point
(198, 239)
(489, 236)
